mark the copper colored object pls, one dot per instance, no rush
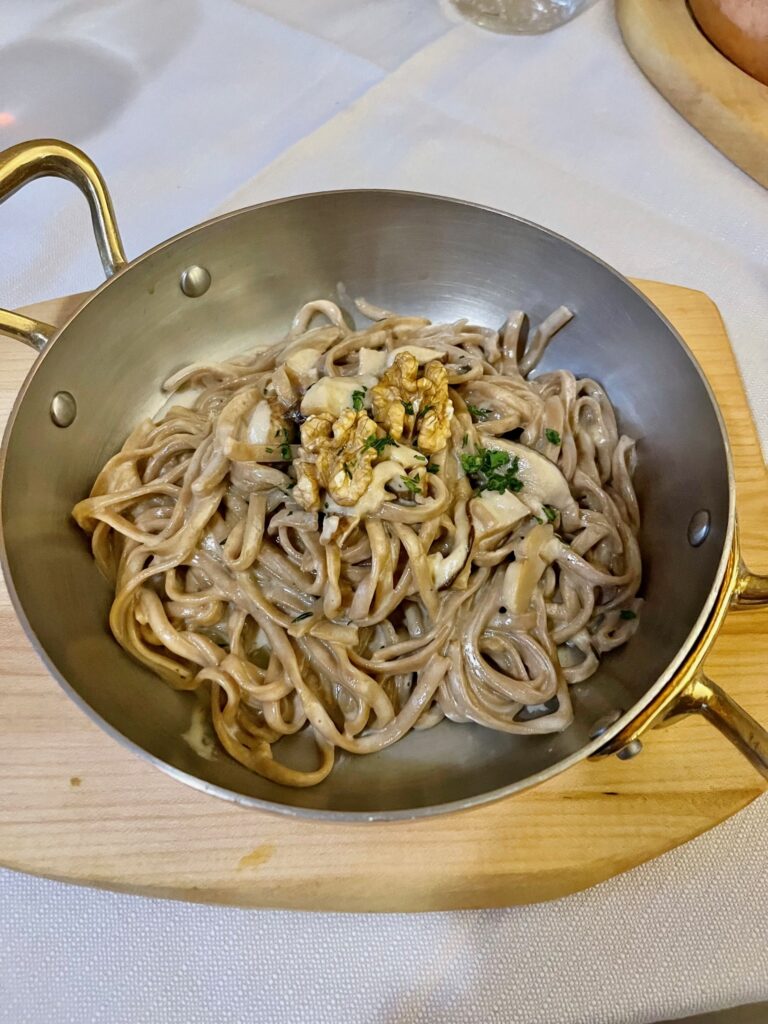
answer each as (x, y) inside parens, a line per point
(739, 29)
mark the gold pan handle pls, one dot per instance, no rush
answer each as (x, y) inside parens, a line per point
(704, 697)
(751, 590)
(49, 158)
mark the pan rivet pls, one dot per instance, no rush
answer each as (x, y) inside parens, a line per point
(195, 281)
(698, 528)
(63, 409)
(603, 723)
(632, 749)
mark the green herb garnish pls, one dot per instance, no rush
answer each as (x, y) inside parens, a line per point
(433, 469)
(413, 486)
(424, 411)
(358, 397)
(285, 452)
(552, 436)
(270, 450)
(492, 471)
(304, 615)
(627, 614)
(478, 414)
(550, 512)
(408, 406)
(418, 455)
(379, 443)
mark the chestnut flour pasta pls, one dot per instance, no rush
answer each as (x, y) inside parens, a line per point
(362, 532)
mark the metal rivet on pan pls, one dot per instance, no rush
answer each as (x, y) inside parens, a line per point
(604, 723)
(63, 409)
(195, 281)
(699, 527)
(632, 749)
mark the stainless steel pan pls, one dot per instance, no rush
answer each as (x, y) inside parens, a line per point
(236, 280)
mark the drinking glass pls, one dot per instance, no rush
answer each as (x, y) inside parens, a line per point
(521, 17)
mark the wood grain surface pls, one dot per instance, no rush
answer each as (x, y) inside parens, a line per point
(75, 805)
(720, 100)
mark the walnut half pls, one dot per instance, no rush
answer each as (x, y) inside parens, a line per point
(413, 407)
(335, 455)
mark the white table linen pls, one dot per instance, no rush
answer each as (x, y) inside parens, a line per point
(190, 108)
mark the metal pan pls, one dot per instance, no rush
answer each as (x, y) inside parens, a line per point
(229, 283)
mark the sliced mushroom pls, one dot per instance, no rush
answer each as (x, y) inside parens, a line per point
(524, 573)
(334, 394)
(373, 360)
(420, 353)
(302, 364)
(260, 424)
(543, 483)
(493, 514)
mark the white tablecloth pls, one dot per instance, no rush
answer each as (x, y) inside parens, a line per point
(194, 107)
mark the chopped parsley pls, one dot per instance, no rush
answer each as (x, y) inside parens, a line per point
(478, 414)
(379, 443)
(418, 455)
(492, 471)
(626, 613)
(413, 486)
(424, 411)
(484, 461)
(285, 451)
(550, 512)
(552, 436)
(408, 406)
(300, 618)
(433, 469)
(358, 397)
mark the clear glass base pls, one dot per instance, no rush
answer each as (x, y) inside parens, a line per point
(521, 17)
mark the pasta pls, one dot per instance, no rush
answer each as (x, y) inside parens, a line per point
(361, 532)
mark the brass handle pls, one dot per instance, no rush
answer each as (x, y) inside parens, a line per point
(702, 696)
(751, 590)
(50, 158)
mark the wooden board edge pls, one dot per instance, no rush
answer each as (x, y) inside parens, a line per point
(698, 81)
(493, 892)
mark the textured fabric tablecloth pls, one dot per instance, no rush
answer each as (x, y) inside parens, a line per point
(190, 108)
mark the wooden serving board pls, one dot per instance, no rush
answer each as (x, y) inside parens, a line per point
(724, 103)
(75, 805)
